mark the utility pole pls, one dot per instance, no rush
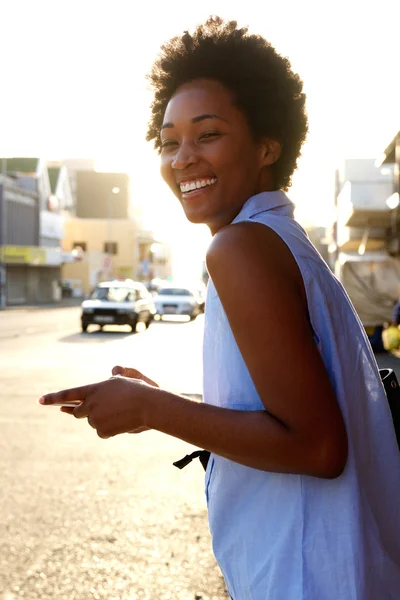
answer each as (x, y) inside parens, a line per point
(114, 192)
(3, 219)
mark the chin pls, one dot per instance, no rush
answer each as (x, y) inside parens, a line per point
(195, 216)
(196, 219)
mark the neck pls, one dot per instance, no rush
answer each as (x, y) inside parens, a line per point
(265, 182)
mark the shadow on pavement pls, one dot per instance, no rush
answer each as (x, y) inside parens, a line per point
(109, 333)
(95, 337)
(172, 320)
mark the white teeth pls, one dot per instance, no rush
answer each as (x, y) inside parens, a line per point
(195, 185)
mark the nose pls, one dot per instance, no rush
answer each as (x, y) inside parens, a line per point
(185, 156)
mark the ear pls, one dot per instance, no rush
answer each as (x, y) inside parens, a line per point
(270, 152)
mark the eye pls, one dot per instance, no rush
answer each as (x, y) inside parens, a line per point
(208, 135)
(168, 144)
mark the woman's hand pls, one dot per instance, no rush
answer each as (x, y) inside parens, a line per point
(114, 406)
(134, 374)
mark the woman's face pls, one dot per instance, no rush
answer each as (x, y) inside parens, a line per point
(209, 158)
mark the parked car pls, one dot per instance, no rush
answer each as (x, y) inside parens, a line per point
(173, 300)
(201, 290)
(155, 284)
(118, 303)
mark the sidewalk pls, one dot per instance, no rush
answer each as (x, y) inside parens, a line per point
(64, 303)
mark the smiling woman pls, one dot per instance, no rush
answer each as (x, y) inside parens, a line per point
(303, 480)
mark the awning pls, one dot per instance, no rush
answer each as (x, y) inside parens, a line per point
(371, 218)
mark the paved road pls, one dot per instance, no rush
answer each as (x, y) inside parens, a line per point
(84, 518)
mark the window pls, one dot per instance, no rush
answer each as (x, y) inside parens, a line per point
(82, 245)
(111, 248)
(114, 294)
(174, 292)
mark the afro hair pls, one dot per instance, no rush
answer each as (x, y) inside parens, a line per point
(262, 82)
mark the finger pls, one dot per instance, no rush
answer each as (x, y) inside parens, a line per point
(117, 370)
(132, 374)
(77, 394)
(90, 422)
(67, 409)
(127, 372)
(82, 411)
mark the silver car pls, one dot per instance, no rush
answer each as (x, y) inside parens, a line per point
(174, 300)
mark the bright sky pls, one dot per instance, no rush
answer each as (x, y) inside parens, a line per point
(73, 84)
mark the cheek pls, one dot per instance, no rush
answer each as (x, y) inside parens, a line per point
(165, 170)
(167, 174)
(234, 155)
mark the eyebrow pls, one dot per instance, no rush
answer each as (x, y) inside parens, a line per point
(196, 120)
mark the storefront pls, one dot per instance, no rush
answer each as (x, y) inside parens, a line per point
(32, 274)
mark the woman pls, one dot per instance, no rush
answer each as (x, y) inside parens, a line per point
(303, 483)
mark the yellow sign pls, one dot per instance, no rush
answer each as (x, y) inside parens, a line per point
(126, 272)
(25, 255)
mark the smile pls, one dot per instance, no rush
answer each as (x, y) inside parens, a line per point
(188, 187)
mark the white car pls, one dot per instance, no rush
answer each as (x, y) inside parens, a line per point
(174, 300)
(118, 303)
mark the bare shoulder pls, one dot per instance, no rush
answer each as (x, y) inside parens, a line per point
(252, 251)
(261, 289)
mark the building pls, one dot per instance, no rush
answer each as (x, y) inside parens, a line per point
(364, 246)
(65, 226)
(30, 233)
(106, 228)
(362, 217)
(390, 161)
(109, 250)
(73, 166)
(60, 185)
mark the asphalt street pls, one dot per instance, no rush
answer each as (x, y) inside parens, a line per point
(81, 517)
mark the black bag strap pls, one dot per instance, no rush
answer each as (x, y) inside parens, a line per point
(392, 390)
(202, 455)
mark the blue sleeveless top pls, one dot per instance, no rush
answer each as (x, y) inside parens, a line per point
(296, 537)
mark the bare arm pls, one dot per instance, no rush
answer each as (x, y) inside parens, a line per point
(303, 430)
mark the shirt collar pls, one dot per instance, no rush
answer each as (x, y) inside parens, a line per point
(263, 202)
